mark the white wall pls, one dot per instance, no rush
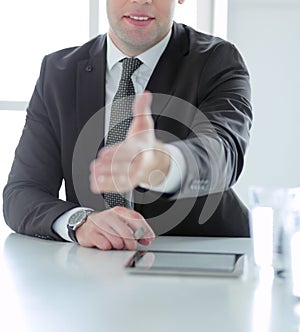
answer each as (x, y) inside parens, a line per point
(267, 32)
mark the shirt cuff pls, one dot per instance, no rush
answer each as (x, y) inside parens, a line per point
(60, 224)
(176, 173)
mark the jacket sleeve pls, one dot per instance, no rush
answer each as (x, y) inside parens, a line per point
(220, 130)
(30, 198)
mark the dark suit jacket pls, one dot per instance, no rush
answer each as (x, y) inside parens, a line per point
(201, 104)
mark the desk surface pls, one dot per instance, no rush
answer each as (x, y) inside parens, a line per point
(53, 286)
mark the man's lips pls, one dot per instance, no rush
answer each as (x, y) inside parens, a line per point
(140, 19)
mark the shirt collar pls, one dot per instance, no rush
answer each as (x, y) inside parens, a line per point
(149, 57)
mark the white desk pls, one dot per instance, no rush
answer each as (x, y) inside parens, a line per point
(52, 286)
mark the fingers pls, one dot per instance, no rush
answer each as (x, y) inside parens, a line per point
(124, 231)
(114, 229)
(136, 222)
(106, 178)
(87, 237)
(116, 169)
(99, 241)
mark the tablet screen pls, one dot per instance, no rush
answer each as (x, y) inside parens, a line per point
(193, 263)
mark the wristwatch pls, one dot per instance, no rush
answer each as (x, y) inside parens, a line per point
(76, 220)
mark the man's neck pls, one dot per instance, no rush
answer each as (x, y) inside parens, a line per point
(133, 52)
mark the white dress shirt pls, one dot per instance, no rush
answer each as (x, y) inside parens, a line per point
(140, 79)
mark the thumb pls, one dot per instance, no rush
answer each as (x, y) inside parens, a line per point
(142, 118)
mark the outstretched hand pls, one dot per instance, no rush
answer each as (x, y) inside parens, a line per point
(139, 159)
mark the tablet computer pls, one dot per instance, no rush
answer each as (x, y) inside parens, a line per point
(187, 263)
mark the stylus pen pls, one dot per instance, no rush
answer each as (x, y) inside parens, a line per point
(139, 232)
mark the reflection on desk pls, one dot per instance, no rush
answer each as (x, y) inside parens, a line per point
(56, 286)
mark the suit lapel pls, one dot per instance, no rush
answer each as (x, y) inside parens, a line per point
(164, 78)
(90, 94)
(90, 101)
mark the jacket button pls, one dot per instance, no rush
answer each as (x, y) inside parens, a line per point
(88, 68)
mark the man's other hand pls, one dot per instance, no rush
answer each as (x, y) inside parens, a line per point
(114, 229)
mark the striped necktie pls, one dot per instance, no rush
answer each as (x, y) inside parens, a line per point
(120, 119)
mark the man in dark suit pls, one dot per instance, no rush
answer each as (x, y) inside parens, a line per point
(177, 178)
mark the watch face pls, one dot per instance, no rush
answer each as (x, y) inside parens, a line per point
(77, 218)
